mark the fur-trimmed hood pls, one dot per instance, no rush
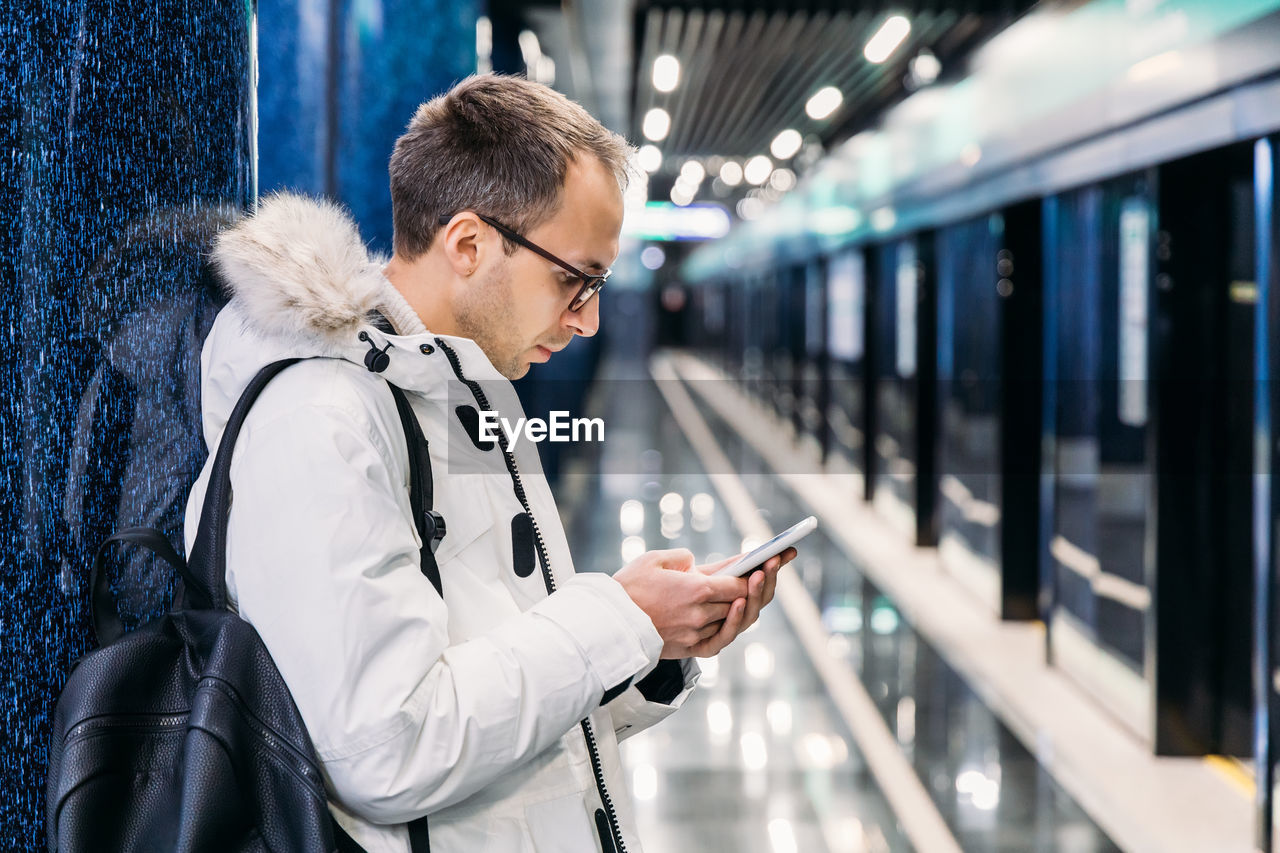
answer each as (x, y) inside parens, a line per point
(299, 270)
(303, 284)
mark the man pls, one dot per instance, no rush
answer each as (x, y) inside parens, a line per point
(496, 710)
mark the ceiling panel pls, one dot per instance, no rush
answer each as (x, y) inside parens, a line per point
(748, 68)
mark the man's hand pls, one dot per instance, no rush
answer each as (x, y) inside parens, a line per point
(697, 615)
(761, 584)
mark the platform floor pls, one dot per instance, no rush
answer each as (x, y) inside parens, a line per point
(764, 758)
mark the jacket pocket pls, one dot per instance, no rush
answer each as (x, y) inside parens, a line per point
(463, 500)
(562, 825)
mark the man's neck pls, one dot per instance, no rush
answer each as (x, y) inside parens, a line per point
(425, 291)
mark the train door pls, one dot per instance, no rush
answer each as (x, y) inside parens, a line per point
(847, 410)
(903, 447)
(783, 362)
(714, 344)
(811, 386)
(1150, 369)
(989, 340)
(756, 334)
(1099, 513)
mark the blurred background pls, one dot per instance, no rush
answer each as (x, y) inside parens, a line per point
(984, 286)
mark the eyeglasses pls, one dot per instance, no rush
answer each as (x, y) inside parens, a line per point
(591, 282)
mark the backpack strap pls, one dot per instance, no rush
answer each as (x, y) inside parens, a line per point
(430, 523)
(208, 562)
(208, 557)
(430, 529)
(107, 626)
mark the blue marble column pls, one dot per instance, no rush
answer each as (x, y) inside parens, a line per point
(295, 73)
(130, 137)
(340, 80)
(129, 134)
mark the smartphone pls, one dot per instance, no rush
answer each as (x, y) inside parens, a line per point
(757, 557)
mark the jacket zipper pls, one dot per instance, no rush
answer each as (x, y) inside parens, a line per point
(588, 732)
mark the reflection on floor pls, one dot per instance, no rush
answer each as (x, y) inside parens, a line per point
(760, 759)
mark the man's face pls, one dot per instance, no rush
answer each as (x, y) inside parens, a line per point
(517, 308)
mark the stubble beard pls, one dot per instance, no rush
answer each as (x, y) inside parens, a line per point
(485, 314)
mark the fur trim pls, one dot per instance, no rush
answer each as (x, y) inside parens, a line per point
(299, 269)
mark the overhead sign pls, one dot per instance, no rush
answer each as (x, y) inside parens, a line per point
(663, 220)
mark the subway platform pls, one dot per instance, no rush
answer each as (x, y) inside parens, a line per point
(877, 705)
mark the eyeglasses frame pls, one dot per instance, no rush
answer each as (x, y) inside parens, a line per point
(592, 283)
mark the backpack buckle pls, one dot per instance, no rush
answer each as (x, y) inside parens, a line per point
(435, 529)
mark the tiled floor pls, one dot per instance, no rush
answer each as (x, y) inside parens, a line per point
(759, 759)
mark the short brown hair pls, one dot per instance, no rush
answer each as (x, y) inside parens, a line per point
(494, 144)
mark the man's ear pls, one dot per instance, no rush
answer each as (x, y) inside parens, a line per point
(463, 239)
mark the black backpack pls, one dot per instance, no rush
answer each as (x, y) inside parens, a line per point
(181, 735)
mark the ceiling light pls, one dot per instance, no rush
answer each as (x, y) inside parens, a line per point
(782, 180)
(693, 172)
(786, 144)
(883, 218)
(758, 169)
(924, 69)
(666, 73)
(731, 173)
(750, 208)
(824, 102)
(530, 49)
(631, 518)
(653, 257)
(650, 158)
(886, 40)
(632, 547)
(484, 45)
(657, 124)
(544, 71)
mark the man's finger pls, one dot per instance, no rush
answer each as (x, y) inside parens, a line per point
(726, 589)
(710, 629)
(770, 584)
(715, 611)
(729, 629)
(678, 559)
(755, 598)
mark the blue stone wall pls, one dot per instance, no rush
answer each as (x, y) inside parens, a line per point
(128, 139)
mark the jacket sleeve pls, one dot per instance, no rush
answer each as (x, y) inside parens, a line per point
(653, 697)
(323, 561)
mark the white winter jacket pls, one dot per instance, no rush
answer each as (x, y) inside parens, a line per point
(484, 709)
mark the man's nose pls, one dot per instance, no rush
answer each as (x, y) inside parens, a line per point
(586, 320)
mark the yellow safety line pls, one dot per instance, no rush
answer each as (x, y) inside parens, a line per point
(1237, 775)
